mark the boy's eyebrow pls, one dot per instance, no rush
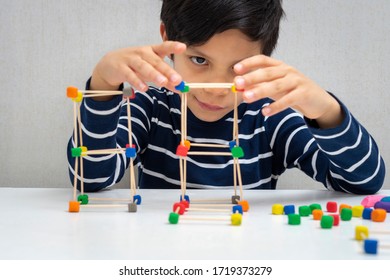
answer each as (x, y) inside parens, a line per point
(197, 52)
(201, 54)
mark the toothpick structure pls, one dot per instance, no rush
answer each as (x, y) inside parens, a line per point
(236, 205)
(183, 150)
(80, 151)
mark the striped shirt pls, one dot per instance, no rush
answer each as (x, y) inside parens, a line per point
(345, 158)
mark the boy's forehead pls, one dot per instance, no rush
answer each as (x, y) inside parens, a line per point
(232, 42)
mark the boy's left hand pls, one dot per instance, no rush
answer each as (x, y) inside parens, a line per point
(262, 76)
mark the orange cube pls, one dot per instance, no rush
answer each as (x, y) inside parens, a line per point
(244, 204)
(378, 215)
(72, 92)
(317, 214)
(74, 206)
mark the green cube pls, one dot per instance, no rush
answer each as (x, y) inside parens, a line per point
(76, 152)
(237, 152)
(327, 221)
(346, 214)
(173, 218)
(83, 198)
(304, 211)
(294, 219)
(185, 89)
(315, 206)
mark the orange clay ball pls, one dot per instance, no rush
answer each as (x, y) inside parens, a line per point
(378, 215)
(342, 206)
(72, 92)
(244, 204)
(317, 214)
(74, 206)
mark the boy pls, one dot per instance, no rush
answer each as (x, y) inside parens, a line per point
(223, 41)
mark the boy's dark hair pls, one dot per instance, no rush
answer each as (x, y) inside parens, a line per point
(194, 22)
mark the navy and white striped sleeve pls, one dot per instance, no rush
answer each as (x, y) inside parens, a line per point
(352, 156)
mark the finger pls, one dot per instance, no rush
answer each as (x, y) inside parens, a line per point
(287, 101)
(260, 75)
(271, 89)
(172, 88)
(166, 70)
(146, 70)
(157, 60)
(132, 78)
(169, 47)
(254, 62)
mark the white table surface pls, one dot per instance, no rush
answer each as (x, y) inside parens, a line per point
(36, 224)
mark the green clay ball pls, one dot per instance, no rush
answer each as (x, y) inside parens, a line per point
(294, 219)
(327, 221)
(83, 198)
(173, 218)
(76, 152)
(304, 211)
(346, 214)
(237, 152)
(315, 206)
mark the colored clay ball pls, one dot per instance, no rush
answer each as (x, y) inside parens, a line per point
(367, 213)
(331, 206)
(83, 198)
(326, 221)
(304, 211)
(371, 246)
(132, 207)
(236, 219)
(336, 219)
(277, 209)
(289, 209)
(346, 214)
(378, 215)
(361, 232)
(173, 218)
(317, 214)
(294, 219)
(357, 211)
(315, 206)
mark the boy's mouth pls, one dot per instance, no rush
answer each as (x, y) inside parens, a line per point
(209, 107)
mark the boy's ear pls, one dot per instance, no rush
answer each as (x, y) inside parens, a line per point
(163, 32)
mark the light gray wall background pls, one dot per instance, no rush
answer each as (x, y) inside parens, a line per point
(47, 45)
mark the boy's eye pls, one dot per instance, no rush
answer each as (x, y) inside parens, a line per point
(198, 60)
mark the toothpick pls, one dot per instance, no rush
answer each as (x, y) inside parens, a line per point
(98, 93)
(75, 139)
(209, 85)
(103, 205)
(209, 153)
(109, 199)
(209, 145)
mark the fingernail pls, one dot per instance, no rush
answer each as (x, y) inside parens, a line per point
(266, 111)
(238, 67)
(240, 82)
(143, 87)
(249, 94)
(175, 78)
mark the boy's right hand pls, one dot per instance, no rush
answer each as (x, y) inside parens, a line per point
(137, 66)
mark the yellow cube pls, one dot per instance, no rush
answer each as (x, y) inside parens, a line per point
(277, 209)
(361, 232)
(357, 211)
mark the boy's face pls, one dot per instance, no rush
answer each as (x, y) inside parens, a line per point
(213, 62)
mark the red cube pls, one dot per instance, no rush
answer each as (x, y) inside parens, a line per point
(331, 206)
